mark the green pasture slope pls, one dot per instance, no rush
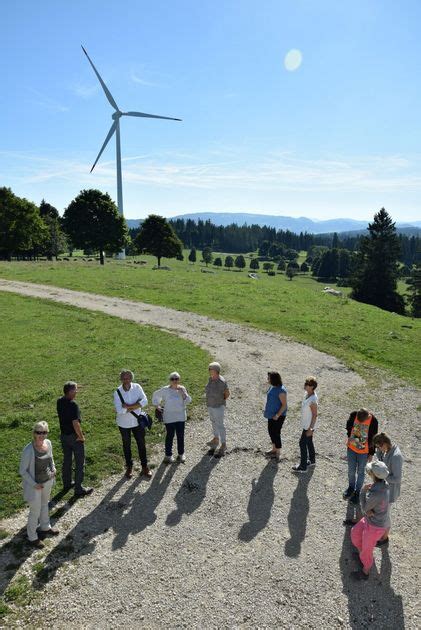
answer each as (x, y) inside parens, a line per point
(359, 334)
(43, 345)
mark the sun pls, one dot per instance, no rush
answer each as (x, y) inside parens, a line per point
(293, 59)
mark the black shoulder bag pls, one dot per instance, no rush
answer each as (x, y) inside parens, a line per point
(143, 419)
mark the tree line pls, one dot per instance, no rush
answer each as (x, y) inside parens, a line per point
(370, 264)
(242, 239)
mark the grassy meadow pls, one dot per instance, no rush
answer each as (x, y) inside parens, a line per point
(359, 334)
(43, 345)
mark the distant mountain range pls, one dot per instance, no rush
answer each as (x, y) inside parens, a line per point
(294, 224)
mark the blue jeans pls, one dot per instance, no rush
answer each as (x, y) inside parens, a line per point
(356, 469)
(172, 428)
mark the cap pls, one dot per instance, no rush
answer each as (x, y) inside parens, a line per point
(379, 469)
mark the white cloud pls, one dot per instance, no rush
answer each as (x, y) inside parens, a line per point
(272, 173)
(84, 90)
(136, 78)
(46, 102)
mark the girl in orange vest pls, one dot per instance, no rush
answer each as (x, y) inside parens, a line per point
(361, 428)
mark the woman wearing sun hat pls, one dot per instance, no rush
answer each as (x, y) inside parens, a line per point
(174, 399)
(38, 472)
(374, 502)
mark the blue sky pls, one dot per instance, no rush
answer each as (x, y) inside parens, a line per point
(339, 136)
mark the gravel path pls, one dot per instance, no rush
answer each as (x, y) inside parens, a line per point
(239, 542)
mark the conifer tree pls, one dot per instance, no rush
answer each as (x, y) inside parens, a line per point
(375, 278)
(415, 291)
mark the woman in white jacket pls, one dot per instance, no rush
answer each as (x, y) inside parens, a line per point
(174, 399)
(38, 472)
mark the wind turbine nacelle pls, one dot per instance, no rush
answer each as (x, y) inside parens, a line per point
(116, 115)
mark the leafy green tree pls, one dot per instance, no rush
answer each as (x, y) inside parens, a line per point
(291, 254)
(268, 266)
(193, 255)
(218, 262)
(275, 250)
(47, 210)
(414, 291)
(92, 221)
(292, 270)
(157, 237)
(229, 262)
(207, 255)
(304, 267)
(281, 265)
(22, 231)
(254, 264)
(375, 278)
(55, 241)
(240, 262)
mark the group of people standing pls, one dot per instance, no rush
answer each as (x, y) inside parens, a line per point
(367, 450)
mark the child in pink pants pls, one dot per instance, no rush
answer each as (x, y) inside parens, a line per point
(364, 537)
(374, 501)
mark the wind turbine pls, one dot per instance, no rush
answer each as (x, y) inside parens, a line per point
(115, 128)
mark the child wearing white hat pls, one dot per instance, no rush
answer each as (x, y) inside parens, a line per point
(374, 502)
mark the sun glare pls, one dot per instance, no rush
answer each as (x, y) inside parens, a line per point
(293, 59)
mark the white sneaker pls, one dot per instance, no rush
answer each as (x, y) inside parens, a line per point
(181, 458)
(168, 459)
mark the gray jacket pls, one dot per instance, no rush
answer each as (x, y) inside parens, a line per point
(394, 461)
(27, 469)
(376, 500)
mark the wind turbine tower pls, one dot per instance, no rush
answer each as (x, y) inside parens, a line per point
(115, 128)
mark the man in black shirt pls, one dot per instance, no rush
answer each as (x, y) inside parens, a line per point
(72, 440)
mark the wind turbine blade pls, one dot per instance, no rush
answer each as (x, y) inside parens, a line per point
(142, 115)
(107, 139)
(104, 87)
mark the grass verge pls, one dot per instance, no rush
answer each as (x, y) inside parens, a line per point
(43, 345)
(359, 334)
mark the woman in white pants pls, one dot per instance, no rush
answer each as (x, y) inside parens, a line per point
(38, 472)
(217, 393)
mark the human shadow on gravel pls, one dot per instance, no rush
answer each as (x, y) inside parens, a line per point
(193, 490)
(298, 513)
(12, 555)
(260, 503)
(17, 550)
(372, 603)
(142, 511)
(81, 540)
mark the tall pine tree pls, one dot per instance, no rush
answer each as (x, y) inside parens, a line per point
(375, 278)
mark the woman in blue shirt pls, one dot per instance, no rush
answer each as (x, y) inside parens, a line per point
(275, 412)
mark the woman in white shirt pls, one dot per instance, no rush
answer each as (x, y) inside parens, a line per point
(308, 424)
(129, 397)
(174, 399)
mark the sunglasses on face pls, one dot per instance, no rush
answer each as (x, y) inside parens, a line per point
(174, 378)
(41, 432)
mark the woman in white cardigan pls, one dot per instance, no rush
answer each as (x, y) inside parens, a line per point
(38, 472)
(174, 398)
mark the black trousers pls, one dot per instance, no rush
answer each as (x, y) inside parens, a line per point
(274, 430)
(172, 428)
(139, 436)
(307, 449)
(72, 448)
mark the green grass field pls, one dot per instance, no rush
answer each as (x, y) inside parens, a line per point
(359, 334)
(43, 345)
